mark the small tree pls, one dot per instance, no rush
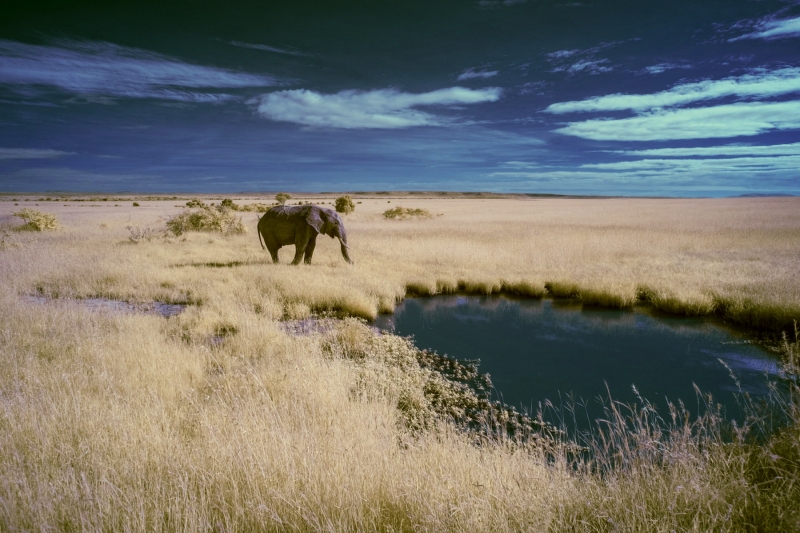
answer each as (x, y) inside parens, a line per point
(281, 197)
(345, 205)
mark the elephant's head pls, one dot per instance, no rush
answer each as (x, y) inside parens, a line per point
(329, 223)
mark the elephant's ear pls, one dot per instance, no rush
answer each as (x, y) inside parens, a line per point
(314, 219)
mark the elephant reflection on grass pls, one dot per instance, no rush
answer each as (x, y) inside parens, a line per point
(300, 225)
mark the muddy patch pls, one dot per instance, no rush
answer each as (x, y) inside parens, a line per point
(106, 305)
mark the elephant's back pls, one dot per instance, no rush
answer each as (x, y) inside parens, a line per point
(281, 222)
(284, 212)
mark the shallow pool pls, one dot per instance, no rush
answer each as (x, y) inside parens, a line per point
(544, 349)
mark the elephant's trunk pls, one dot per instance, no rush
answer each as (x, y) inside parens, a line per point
(345, 249)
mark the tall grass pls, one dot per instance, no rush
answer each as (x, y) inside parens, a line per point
(217, 418)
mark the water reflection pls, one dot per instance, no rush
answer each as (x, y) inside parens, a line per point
(538, 349)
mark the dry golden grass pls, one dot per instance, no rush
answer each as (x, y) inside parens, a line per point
(133, 422)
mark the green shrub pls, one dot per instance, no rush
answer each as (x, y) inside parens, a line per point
(405, 212)
(208, 218)
(195, 203)
(36, 220)
(345, 205)
(281, 197)
(135, 204)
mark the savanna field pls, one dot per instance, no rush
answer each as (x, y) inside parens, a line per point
(222, 418)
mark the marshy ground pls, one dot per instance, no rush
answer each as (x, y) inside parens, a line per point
(219, 418)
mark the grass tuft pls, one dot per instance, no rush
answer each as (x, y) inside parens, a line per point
(421, 287)
(677, 303)
(614, 297)
(528, 288)
(480, 286)
(563, 289)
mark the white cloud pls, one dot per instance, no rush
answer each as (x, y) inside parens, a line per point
(726, 150)
(663, 67)
(734, 164)
(30, 153)
(759, 85)
(111, 70)
(581, 61)
(562, 54)
(385, 108)
(266, 48)
(472, 73)
(721, 121)
(592, 67)
(774, 29)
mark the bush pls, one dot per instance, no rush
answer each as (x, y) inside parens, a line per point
(405, 212)
(135, 204)
(138, 234)
(36, 220)
(345, 205)
(258, 208)
(281, 197)
(207, 218)
(195, 203)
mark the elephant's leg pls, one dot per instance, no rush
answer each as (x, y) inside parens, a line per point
(273, 246)
(274, 253)
(312, 243)
(300, 244)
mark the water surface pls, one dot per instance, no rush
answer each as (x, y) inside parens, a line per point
(540, 349)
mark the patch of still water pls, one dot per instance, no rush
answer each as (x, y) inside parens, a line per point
(538, 349)
(114, 306)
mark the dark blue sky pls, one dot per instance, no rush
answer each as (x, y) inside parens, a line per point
(678, 98)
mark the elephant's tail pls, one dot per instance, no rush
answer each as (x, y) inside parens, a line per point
(258, 230)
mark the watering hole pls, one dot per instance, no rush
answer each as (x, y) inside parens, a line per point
(542, 349)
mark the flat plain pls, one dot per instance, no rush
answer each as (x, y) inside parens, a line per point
(219, 419)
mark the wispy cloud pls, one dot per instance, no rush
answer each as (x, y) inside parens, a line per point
(758, 85)
(385, 108)
(592, 67)
(107, 69)
(30, 153)
(562, 54)
(663, 67)
(472, 73)
(725, 150)
(581, 61)
(266, 48)
(721, 121)
(773, 29)
(734, 164)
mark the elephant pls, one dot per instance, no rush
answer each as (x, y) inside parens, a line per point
(300, 225)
